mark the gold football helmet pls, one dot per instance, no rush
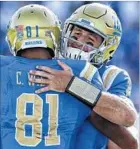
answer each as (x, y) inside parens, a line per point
(33, 26)
(97, 18)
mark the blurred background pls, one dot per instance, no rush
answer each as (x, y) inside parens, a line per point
(127, 55)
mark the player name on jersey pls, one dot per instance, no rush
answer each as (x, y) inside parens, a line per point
(21, 81)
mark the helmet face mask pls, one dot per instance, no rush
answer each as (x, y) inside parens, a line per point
(75, 49)
(95, 18)
(33, 26)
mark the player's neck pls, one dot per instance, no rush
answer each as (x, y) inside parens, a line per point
(36, 54)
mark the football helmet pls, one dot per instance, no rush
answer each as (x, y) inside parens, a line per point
(33, 26)
(97, 18)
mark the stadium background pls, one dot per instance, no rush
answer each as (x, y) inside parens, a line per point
(127, 55)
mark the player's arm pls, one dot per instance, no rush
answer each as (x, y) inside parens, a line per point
(120, 86)
(61, 87)
(115, 109)
(109, 106)
(118, 134)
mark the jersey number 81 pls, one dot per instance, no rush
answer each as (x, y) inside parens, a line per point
(34, 120)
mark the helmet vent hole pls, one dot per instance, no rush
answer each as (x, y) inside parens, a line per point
(111, 51)
(45, 13)
(19, 16)
(32, 6)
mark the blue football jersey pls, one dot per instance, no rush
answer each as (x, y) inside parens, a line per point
(115, 81)
(90, 138)
(48, 120)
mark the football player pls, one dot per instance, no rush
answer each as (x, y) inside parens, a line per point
(50, 120)
(93, 33)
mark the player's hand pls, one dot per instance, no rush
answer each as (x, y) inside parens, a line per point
(56, 80)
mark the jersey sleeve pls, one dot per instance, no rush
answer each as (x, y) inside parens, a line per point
(117, 81)
(91, 74)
